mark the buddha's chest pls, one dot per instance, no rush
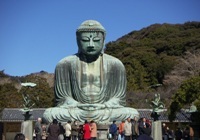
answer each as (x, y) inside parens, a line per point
(90, 77)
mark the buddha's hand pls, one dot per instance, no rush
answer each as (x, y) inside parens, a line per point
(113, 103)
(91, 107)
(68, 103)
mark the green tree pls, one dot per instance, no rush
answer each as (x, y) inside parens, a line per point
(42, 95)
(188, 93)
(9, 97)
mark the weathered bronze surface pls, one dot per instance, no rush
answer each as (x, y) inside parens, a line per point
(90, 85)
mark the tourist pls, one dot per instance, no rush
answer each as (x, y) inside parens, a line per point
(142, 124)
(121, 130)
(134, 128)
(44, 132)
(113, 131)
(178, 134)
(93, 127)
(62, 131)
(145, 132)
(38, 129)
(68, 130)
(191, 133)
(147, 129)
(75, 130)
(19, 136)
(148, 122)
(53, 131)
(186, 133)
(128, 129)
(164, 132)
(170, 134)
(86, 131)
(80, 132)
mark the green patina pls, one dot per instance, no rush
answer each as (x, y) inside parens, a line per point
(90, 85)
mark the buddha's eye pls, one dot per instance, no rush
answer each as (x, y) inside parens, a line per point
(85, 39)
(96, 39)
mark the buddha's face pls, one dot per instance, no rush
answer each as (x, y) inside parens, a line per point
(90, 43)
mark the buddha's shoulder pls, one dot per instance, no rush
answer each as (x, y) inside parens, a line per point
(68, 59)
(111, 58)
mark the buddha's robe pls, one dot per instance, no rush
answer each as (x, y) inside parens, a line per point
(76, 100)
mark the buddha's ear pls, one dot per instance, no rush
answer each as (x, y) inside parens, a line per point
(78, 43)
(103, 48)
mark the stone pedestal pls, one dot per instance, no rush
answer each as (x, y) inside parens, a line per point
(27, 129)
(102, 131)
(157, 130)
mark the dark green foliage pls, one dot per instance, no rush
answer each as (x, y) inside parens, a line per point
(9, 96)
(152, 53)
(188, 93)
(149, 54)
(42, 95)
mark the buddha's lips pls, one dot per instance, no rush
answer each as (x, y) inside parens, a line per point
(90, 49)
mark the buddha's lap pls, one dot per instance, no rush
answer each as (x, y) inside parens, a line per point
(101, 114)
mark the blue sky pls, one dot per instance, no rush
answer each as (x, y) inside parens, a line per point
(36, 34)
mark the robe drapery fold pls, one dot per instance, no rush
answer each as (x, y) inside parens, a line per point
(68, 81)
(69, 94)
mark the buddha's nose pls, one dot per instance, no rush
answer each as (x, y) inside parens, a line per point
(91, 43)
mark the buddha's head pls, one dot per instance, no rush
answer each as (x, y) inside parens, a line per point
(90, 38)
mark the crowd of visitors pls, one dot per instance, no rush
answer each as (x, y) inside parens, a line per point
(179, 134)
(129, 129)
(65, 131)
(133, 129)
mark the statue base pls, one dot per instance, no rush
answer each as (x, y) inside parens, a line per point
(27, 129)
(157, 130)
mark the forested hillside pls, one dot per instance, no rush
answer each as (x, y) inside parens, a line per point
(166, 54)
(11, 90)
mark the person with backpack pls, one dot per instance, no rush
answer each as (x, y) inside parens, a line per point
(113, 131)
